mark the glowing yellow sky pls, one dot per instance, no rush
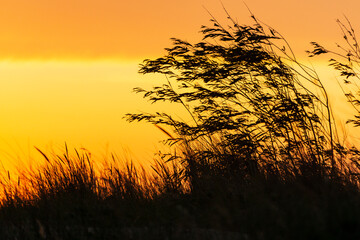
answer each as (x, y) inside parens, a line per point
(67, 67)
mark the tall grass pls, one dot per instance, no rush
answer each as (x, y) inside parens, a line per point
(257, 111)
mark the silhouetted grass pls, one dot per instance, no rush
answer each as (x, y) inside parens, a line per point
(261, 159)
(68, 199)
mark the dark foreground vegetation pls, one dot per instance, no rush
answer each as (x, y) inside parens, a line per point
(260, 158)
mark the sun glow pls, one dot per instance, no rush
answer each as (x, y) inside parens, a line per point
(46, 104)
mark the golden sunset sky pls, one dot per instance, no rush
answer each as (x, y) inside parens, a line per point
(67, 67)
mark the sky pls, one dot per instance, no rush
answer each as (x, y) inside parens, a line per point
(68, 67)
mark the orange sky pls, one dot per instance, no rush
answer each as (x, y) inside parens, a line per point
(93, 29)
(67, 67)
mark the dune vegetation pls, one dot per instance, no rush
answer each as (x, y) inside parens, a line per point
(261, 157)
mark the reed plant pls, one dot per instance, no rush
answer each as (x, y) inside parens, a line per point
(255, 109)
